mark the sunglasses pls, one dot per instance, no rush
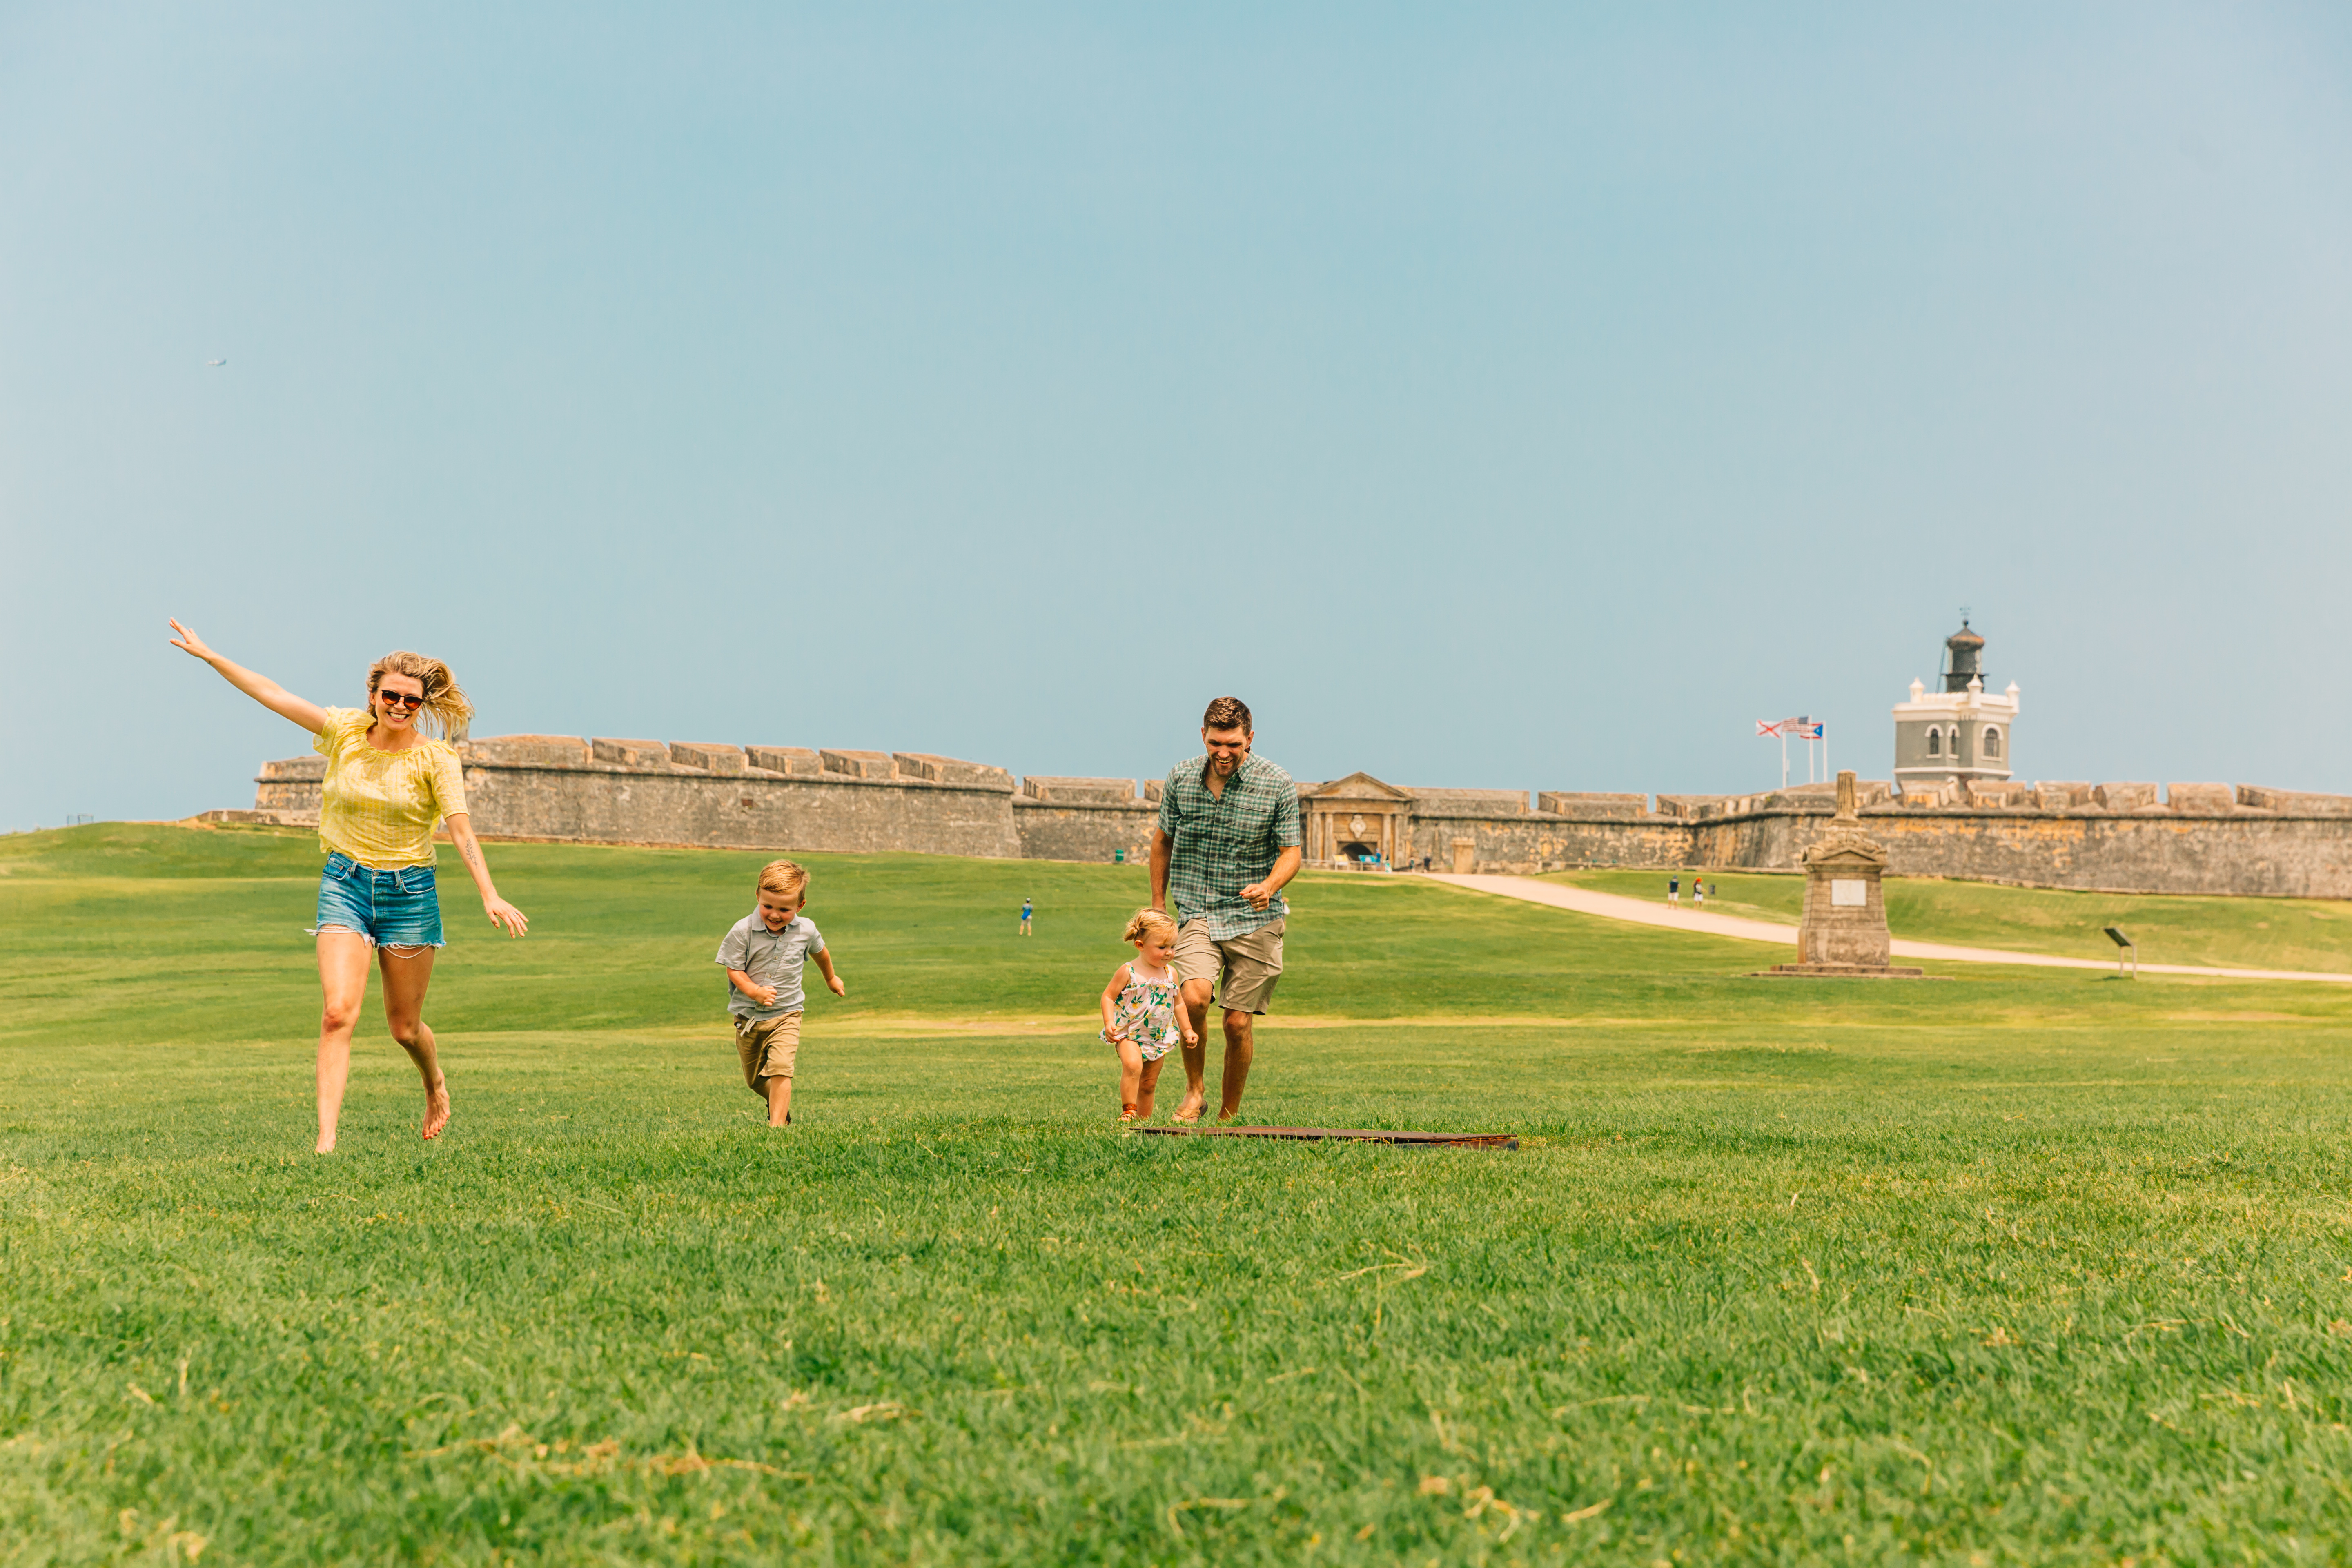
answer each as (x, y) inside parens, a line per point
(404, 699)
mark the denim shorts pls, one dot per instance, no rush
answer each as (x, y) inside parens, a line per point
(391, 908)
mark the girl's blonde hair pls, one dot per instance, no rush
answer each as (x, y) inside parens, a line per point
(1151, 920)
(446, 706)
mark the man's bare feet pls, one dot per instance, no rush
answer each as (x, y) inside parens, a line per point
(436, 1108)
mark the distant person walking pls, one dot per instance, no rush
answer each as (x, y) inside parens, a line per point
(1024, 917)
(387, 783)
(1673, 889)
(1698, 893)
(1227, 843)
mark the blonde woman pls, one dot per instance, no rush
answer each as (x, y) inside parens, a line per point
(387, 783)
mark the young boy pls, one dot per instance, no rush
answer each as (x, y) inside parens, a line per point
(763, 954)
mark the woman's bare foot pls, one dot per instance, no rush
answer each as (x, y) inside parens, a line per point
(1189, 1107)
(326, 1144)
(436, 1108)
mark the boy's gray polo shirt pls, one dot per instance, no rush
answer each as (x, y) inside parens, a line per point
(772, 958)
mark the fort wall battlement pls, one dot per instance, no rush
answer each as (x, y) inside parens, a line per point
(2200, 844)
(565, 788)
(2123, 837)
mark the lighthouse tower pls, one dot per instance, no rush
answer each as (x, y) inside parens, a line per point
(1961, 731)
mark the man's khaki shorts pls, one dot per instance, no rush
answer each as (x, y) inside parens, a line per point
(1244, 968)
(767, 1046)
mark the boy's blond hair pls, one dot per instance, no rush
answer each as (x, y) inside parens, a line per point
(784, 877)
(1151, 920)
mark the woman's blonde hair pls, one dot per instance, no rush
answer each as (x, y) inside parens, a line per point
(1151, 920)
(444, 702)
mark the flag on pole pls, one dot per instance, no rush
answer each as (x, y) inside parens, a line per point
(1764, 727)
(1809, 729)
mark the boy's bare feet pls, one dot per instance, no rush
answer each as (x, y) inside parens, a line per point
(326, 1144)
(436, 1108)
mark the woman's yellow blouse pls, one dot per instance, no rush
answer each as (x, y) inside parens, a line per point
(379, 808)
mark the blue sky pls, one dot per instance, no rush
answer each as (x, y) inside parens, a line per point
(1509, 396)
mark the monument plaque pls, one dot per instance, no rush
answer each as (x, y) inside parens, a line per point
(1843, 931)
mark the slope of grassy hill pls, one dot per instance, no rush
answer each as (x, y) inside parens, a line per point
(2014, 1266)
(2245, 933)
(624, 938)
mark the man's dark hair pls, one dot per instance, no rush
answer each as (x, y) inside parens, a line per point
(1227, 714)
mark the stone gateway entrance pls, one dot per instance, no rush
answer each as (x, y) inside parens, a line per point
(1348, 820)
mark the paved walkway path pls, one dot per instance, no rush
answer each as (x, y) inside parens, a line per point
(1649, 912)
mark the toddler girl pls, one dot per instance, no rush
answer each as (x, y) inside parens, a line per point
(1140, 1018)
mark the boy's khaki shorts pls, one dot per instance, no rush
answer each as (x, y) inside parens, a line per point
(1245, 967)
(767, 1047)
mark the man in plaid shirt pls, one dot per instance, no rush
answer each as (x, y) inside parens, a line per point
(1227, 841)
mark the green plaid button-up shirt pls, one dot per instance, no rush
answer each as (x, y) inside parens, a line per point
(1223, 843)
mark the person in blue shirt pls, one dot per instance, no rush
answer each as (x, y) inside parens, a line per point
(1024, 917)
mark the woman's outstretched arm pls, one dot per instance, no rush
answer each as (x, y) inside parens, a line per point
(503, 915)
(260, 687)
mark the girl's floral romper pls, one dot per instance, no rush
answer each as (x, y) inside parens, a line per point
(1146, 1013)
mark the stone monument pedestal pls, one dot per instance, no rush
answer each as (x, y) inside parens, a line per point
(1843, 931)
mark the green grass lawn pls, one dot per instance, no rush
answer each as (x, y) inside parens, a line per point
(2006, 1265)
(2244, 933)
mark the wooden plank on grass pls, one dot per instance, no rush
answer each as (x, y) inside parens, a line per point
(1348, 1135)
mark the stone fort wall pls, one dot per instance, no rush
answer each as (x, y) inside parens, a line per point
(2188, 838)
(565, 788)
(2119, 838)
